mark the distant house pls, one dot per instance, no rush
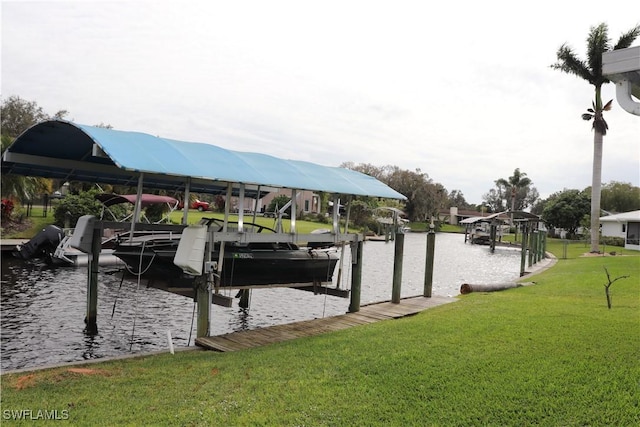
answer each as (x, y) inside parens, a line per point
(454, 215)
(625, 225)
(308, 202)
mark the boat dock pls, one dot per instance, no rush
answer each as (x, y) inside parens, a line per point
(7, 245)
(370, 313)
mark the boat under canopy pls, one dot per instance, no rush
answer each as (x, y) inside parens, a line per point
(68, 151)
(246, 265)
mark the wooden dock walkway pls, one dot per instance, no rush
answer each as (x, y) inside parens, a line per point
(235, 341)
(7, 245)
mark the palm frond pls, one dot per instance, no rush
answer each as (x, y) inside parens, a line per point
(569, 63)
(627, 38)
(597, 44)
(607, 106)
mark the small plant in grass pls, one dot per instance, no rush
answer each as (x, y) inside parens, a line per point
(7, 209)
(608, 285)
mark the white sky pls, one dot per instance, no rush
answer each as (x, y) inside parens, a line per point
(462, 91)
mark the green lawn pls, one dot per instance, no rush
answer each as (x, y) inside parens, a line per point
(302, 227)
(550, 354)
(37, 221)
(29, 226)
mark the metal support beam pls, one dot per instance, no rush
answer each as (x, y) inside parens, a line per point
(185, 209)
(138, 206)
(294, 211)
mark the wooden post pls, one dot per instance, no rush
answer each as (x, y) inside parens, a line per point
(397, 268)
(92, 285)
(428, 271)
(523, 247)
(244, 298)
(356, 276)
(204, 306)
(532, 236)
(204, 292)
(492, 237)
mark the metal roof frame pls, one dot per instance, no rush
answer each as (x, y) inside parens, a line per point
(68, 151)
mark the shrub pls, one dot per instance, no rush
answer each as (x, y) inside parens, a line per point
(612, 241)
(155, 212)
(73, 206)
(7, 209)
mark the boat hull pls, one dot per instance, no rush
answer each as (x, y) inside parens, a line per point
(242, 267)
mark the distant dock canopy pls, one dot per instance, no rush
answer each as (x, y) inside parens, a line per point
(390, 221)
(478, 228)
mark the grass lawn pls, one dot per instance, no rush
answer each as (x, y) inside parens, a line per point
(29, 226)
(36, 222)
(549, 354)
(302, 227)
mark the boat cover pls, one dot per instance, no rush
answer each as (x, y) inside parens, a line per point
(146, 200)
(65, 150)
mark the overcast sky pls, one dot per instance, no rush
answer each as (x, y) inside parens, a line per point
(462, 91)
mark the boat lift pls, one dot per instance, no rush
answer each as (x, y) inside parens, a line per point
(60, 149)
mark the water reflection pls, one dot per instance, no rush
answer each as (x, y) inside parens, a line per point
(43, 309)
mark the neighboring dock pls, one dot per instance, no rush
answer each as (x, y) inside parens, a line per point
(375, 312)
(7, 245)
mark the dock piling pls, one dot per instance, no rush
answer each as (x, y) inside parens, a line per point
(356, 276)
(92, 285)
(397, 268)
(428, 271)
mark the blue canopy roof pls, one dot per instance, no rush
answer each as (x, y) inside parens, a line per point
(65, 150)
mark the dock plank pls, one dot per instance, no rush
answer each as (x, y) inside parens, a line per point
(242, 340)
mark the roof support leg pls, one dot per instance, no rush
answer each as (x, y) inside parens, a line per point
(241, 209)
(294, 211)
(138, 206)
(185, 209)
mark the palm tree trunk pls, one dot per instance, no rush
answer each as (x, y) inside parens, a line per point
(596, 187)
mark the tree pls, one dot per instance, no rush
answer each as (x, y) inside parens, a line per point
(493, 200)
(590, 70)
(620, 197)
(515, 193)
(16, 116)
(566, 210)
(73, 206)
(424, 197)
(456, 198)
(278, 202)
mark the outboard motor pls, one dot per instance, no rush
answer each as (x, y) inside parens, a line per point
(43, 244)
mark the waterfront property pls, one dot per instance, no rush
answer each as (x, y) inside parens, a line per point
(64, 150)
(624, 225)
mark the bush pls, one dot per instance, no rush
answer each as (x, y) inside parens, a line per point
(7, 209)
(155, 212)
(73, 206)
(612, 241)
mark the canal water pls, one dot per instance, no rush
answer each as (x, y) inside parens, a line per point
(42, 309)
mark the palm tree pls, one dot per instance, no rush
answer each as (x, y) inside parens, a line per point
(516, 186)
(598, 42)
